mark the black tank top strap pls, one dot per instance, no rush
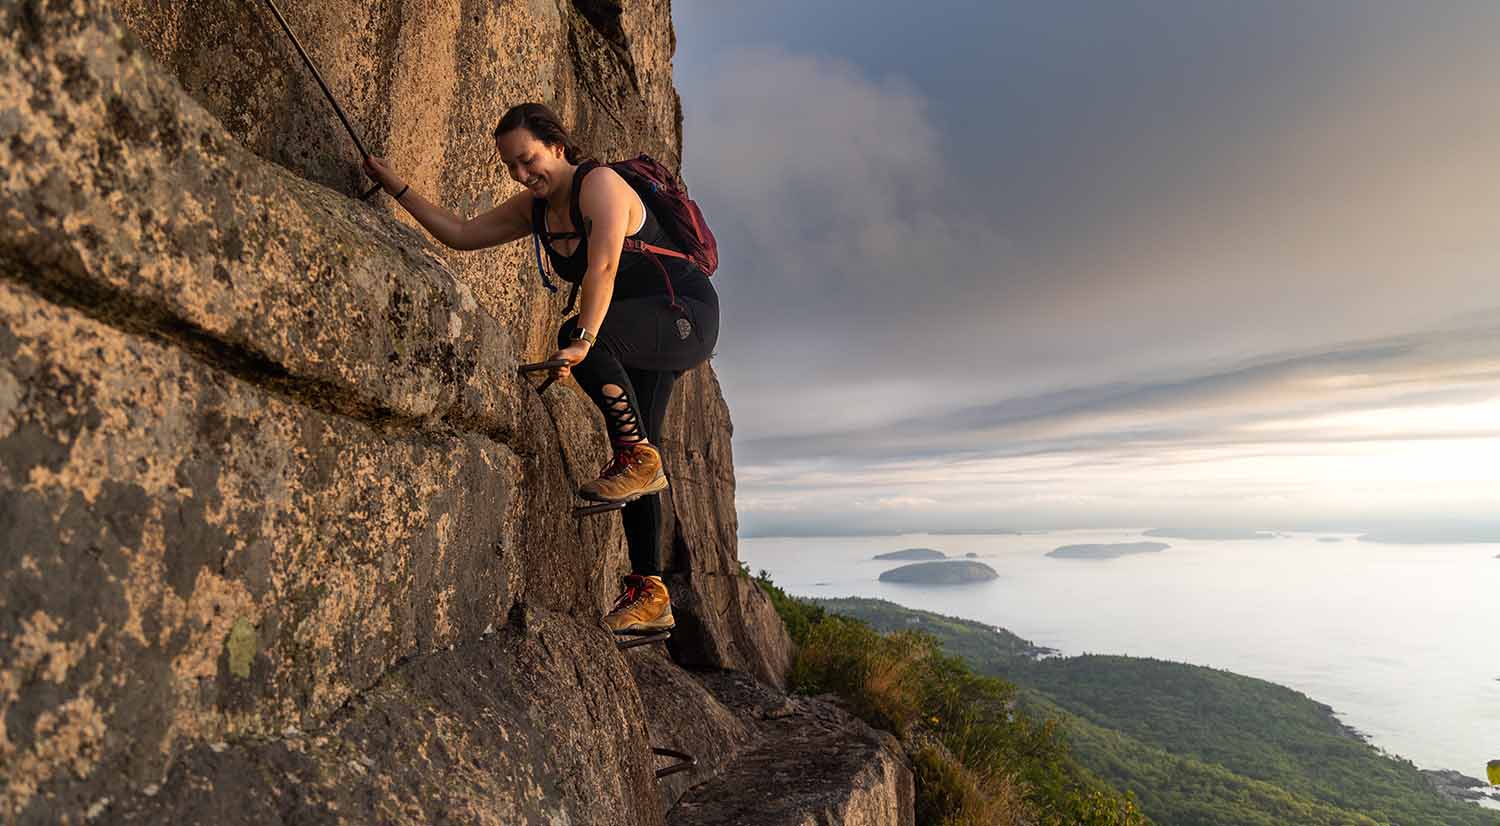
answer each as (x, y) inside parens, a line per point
(650, 263)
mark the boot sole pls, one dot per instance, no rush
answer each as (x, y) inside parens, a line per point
(646, 628)
(654, 487)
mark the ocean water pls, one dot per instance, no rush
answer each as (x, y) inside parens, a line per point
(1403, 641)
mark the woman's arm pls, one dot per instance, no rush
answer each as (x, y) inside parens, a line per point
(605, 203)
(507, 222)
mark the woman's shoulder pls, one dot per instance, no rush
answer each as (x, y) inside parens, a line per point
(603, 186)
(604, 192)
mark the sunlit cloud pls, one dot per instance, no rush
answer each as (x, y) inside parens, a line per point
(1294, 437)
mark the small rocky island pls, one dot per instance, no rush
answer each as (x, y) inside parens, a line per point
(1107, 551)
(1207, 533)
(949, 572)
(913, 553)
(1330, 539)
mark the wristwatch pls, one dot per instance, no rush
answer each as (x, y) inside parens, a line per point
(582, 334)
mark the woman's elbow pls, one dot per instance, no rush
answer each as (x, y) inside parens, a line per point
(460, 240)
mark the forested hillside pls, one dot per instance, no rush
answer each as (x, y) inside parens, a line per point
(1195, 745)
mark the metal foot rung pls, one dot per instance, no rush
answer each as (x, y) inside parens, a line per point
(539, 366)
(687, 761)
(602, 507)
(642, 639)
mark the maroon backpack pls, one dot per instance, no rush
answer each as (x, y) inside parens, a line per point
(667, 199)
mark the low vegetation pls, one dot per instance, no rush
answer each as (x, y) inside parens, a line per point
(979, 759)
(1193, 746)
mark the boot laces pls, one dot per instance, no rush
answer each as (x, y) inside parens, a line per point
(625, 456)
(635, 593)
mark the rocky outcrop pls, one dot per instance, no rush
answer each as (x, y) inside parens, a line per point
(1456, 785)
(768, 759)
(284, 535)
(810, 763)
(483, 733)
(425, 81)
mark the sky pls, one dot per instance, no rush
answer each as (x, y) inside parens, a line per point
(1195, 263)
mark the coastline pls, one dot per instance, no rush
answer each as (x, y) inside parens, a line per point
(1368, 686)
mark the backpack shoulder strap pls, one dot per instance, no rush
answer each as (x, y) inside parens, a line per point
(539, 217)
(576, 208)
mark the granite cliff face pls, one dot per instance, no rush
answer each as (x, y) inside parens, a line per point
(285, 539)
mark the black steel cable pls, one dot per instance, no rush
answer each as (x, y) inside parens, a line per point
(318, 76)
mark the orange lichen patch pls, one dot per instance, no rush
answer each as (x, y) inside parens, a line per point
(442, 629)
(10, 402)
(34, 647)
(138, 422)
(65, 738)
(143, 587)
(36, 655)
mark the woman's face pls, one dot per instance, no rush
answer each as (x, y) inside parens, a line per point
(531, 163)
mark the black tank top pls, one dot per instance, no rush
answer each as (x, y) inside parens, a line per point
(636, 276)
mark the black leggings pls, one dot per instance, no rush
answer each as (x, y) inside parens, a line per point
(644, 346)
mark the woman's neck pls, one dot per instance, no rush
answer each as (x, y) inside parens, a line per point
(562, 198)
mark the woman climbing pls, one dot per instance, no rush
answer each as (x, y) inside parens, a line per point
(642, 320)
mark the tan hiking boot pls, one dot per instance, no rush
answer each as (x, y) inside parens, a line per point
(644, 606)
(635, 471)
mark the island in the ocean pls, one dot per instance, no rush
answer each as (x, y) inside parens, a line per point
(1208, 533)
(913, 553)
(949, 572)
(1330, 539)
(1108, 551)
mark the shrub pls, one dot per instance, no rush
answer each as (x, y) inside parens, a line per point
(798, 616)
(994, 764)
(950, 794)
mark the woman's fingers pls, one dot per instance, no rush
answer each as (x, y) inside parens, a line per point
(378, 169)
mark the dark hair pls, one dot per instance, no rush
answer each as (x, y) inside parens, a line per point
(544, 125)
